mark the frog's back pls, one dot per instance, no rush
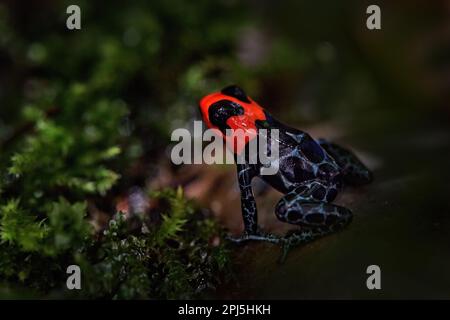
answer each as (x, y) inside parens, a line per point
(301, 158)
(292, 170)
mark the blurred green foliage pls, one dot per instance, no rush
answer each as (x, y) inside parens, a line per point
(78, 108)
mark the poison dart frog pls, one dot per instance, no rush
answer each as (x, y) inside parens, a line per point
(310, 173)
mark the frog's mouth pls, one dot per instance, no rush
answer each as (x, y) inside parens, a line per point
(242, 129)
(235, 127)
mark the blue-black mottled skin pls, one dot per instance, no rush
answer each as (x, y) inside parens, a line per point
(310, 175)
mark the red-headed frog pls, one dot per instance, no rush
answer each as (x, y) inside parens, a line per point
(310, 173)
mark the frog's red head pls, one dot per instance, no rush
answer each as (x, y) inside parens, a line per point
(232, 109)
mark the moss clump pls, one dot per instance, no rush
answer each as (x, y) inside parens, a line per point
(174, 253)
(171, 255)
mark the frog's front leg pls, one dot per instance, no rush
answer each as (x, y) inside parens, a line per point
(308, 206)
(249, 212)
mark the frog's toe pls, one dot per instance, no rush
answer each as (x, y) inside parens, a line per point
(294, 239)
(284, 252)
(259, 236)
(239, 239)
(269, 237)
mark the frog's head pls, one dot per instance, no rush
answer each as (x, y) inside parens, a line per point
(231, 108)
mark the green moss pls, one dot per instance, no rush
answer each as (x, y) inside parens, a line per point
(78, 110)
(169, 256)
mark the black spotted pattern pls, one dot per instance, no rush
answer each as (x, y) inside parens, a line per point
(312, 151)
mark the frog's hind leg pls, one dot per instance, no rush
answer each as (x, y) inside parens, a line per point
(307, 207)
(354, 172)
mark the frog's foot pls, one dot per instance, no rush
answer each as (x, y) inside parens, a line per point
(259, 236)
(298, 237)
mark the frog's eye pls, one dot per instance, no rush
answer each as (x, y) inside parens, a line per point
(220, 111)
(235, 92)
